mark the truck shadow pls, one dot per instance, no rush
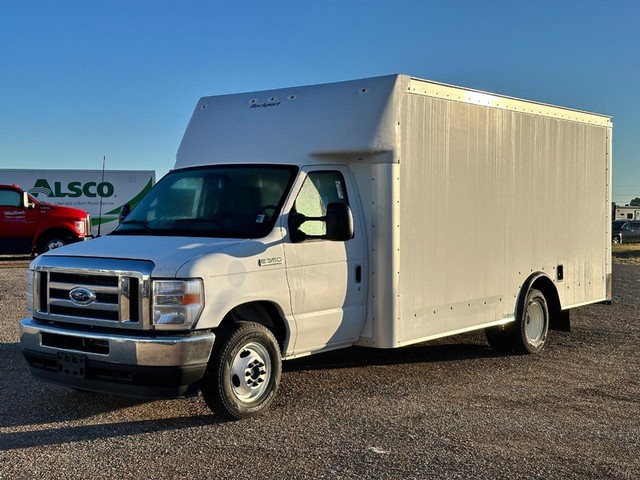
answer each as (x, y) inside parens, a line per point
(462, 347)
(36, 414)
(33, 413)
(58, 435)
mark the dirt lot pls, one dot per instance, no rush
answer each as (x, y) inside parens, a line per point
(445, 409)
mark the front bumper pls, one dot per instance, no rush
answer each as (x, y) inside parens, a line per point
(138, 366)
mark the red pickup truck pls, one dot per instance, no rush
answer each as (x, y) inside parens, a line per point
(28, 226)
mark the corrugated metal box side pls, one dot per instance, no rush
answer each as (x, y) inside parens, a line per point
(481, 203)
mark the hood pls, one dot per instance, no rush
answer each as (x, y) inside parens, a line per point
(167, 253)
(61, 211)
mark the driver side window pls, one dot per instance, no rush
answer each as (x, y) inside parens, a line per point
(9, 198)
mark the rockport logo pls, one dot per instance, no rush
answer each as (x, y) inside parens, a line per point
(82, 296)
(264, 105)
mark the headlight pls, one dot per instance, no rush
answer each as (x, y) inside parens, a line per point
(80, 226)
(177, 304)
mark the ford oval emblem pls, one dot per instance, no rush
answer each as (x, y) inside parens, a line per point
(82, 296)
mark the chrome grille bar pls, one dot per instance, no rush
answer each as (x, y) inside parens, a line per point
(118, 290)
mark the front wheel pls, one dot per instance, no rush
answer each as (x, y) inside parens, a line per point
(52, 241)
(244, 371)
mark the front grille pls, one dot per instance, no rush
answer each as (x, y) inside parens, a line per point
(117, 296)
(84, 312)
(85, 279)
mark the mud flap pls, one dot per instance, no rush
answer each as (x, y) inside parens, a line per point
(560, 321)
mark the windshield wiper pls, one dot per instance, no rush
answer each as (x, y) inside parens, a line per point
(135, 221)
(216, 225)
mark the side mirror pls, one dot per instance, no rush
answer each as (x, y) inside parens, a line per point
(124, 211)
(338, 221)
(26, 202)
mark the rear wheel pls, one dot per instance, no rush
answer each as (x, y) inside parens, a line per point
(244, 371)
(531, 330)
(527, 334)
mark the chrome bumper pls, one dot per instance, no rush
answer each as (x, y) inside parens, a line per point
(170, 351)
(137, 366)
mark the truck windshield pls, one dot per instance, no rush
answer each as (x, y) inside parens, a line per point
(241, 201)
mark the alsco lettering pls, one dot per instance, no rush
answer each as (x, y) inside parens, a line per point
(73, 189)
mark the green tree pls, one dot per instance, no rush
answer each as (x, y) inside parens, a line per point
(635, 202)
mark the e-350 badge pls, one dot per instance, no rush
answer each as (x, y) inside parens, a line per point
(265, 262)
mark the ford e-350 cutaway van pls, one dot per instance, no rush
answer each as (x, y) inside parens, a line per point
(379, 212)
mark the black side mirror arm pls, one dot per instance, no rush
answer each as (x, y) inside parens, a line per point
(124, 211)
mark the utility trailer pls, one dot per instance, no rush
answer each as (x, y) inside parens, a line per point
(100, 193)
(312, 218)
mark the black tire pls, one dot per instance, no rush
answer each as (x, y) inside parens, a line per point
(244, 370)
(52, 241)
(616, 240)
(530, 331)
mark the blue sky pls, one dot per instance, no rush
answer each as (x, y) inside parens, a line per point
(80, 79)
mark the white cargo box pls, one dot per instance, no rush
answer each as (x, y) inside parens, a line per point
(464, 194)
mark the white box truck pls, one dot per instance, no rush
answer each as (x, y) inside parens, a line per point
(100, 193)
(379, 212)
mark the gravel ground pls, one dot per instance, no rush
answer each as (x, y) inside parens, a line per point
(446, 409)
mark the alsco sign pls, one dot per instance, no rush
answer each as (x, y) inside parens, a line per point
(72, 189)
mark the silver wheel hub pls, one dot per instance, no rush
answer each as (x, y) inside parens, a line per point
(534, 323)
(54, 244)
(250, 372)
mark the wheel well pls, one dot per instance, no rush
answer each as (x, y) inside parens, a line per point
(264, 313)
(50, 233)
(558, 318)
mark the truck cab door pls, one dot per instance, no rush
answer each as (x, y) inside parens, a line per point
(327, 278)
(17, 222)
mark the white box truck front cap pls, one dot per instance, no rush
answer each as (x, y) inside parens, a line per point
(291, 125)
(379, 212)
